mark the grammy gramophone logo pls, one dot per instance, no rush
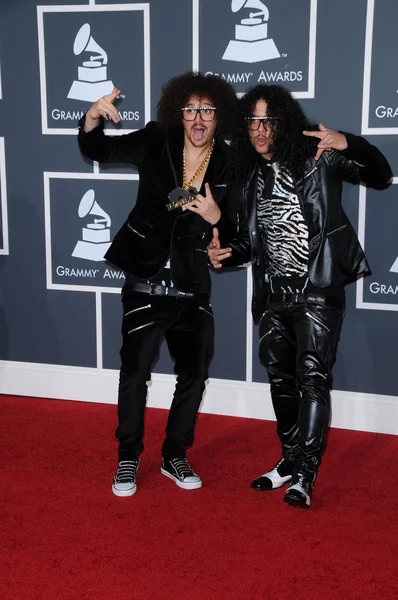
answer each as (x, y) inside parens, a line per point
(96, 233)
(92, 80)
(251, 43)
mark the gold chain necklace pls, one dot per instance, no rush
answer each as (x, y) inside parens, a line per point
(186, 184)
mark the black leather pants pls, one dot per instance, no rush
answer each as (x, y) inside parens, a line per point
(188, 326)
(298, 343)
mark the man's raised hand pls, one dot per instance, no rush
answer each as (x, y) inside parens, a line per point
(206, 206)
(329, 140)
(104, 107)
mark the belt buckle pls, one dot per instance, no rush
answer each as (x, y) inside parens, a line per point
(294, 298)
(157, 289)
(287, 297)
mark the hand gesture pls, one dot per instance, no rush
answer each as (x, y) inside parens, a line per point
(104, 107)
(330, 140)
(205, 206)
(215, 252)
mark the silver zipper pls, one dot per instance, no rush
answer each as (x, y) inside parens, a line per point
(310, 172)
(135, 231)
(171, 241)
(317, 321)
(206, 311)
(336, 230)
(136, 309)
(141, 327)
(265, 334)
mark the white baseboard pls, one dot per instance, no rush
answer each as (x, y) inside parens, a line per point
(351, 410)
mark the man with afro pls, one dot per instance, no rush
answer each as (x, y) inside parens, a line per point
(162, 248)
(303, 251)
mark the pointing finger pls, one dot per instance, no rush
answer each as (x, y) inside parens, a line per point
(318, 134)
(222, 254)
(115, 93)
(319, 153)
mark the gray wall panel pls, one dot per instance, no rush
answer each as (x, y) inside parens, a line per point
(344, 75)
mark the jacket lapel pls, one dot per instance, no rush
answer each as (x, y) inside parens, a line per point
(215, 172)
(175, 142)
(251, 194)
(299, 184)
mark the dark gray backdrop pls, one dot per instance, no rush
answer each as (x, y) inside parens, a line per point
(42, 324)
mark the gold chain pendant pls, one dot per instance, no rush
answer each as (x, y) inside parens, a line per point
(186, 184)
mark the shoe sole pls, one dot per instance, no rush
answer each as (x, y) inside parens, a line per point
(124, 493)
(296, 502)
(184, 486)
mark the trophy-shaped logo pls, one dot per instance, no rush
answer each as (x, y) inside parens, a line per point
(251, 43)
(92, 81)
(96, 235)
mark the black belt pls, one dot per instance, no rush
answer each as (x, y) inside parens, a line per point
(306, 299)
(158, 290)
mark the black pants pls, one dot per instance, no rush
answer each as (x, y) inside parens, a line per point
(188, 326)
(298, 344)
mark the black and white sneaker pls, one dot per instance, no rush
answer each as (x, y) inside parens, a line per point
(300, 490)
(280, 474)
(179, 470)
(125, 480)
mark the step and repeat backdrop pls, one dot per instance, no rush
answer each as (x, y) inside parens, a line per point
(59, 300)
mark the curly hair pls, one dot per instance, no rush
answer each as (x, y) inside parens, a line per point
(177, 91)
(289, 146)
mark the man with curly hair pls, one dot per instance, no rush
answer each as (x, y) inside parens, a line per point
(162, 248)
(303, 251)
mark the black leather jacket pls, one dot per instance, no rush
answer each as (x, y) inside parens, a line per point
(151, 234)
(335, 254)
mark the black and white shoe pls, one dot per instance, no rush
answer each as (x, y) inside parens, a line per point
(179, 470)
(125, 480)
(300, 490)
(276, 477)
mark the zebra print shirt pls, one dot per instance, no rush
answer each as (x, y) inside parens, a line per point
(284, 234)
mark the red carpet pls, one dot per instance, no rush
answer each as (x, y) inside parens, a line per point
(65, 536)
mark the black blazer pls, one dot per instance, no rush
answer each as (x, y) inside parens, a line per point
(335, 254)
(152, 234)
